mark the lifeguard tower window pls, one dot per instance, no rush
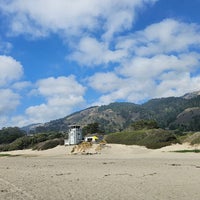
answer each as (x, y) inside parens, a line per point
(89, 140)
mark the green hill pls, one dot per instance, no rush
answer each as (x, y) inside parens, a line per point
(167, 112)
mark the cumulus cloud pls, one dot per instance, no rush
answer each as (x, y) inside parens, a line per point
(113, 87)
(38, 17)
(21, 85)
(143, 67)
(62, 96)
(104, 82)
(167, 36)
(91, 52)
(11, 70)
(61, 86)
(9, 101)
(177, 84)
(136, 90)
(159, 61)
(76, 19)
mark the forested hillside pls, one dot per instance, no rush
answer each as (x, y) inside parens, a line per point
(167, 112)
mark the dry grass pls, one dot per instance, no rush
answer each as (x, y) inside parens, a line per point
(100, 146)
(88, 148)
(81, 148)
(193, 138)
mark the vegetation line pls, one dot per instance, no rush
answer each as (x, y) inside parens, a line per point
(7, 155)
(188, 151)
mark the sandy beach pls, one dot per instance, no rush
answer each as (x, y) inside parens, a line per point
(116, 172)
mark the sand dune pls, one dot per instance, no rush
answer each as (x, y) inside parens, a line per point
(116, 172)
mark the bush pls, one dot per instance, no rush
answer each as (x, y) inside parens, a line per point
(40, 137)
(154, 138)
(21, 143)
(48, 144)
(128, 138)
(193, 138)
(54, 136)
(4, 147)
(144, 124)
(38, 141)
(159, 138)
(8, 135)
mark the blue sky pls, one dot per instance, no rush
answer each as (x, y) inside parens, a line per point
(61, 56)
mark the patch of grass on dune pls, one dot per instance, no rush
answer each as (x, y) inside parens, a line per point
(188, 151)
(7, 155)
(152, 138)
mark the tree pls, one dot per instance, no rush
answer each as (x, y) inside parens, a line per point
(91, 129)
(9, 134)
(144, 124)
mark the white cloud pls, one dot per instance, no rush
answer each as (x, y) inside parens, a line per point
(144, 78)
(134, 89)
(114, 87)
(155, 62)
(62, 94)
(167, 36)
(148, 68)
(21, 85)
(90, 52)
(170, 36)
(37, 17)
(61, 86)
(9, 101)
(5, 47)
(79, 19)
(159, 61)
(177, 84)
(11, 70)
(104, 82)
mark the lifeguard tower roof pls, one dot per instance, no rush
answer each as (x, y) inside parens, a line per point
(74, 126)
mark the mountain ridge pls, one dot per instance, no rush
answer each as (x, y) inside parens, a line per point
(119, 115)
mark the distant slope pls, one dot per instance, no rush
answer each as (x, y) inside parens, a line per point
(165, 110)
(191, 95)
(168, 112)
(188, 120)
(111, 118)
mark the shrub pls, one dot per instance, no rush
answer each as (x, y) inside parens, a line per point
(20, 143)
(159, 138)
(8, 135)
(144, 124)
(39, 141)
(48, 144)
(4, 147)
(40, 137)
(54, 136)
(188, 151)
(193, 138)
(154, 138)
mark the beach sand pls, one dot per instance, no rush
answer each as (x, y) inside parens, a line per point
(116, 172)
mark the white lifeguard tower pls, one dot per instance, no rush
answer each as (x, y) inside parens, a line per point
(74, 135)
